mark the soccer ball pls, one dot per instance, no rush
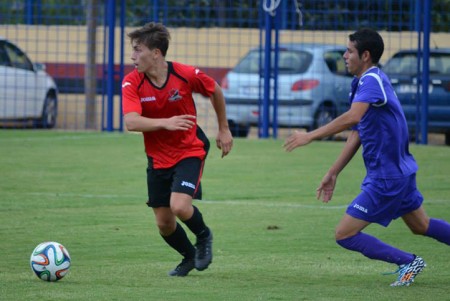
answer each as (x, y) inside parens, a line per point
(50, 261)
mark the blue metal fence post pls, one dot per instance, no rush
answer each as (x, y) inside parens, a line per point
(29, 12)
(122, 52)
(426, 70)
(262, 17)
(111, 22)
(38, 12)
(264, 127)
(277, 23)
(156, 10)
(419, 29)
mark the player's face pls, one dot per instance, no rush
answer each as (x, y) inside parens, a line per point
(353, 62)
(142, 57)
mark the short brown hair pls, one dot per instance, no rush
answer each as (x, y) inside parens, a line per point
(153, 35)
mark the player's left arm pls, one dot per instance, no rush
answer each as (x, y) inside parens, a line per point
(224, 139)
(328, 183)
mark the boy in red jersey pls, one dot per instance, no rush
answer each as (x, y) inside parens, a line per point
(157, 101)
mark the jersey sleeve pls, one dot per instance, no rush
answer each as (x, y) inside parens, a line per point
(130, 97)
(371, 90)
(203, 84)
(199, 81)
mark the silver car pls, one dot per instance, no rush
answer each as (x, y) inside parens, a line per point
(313, 87)
(27, 92)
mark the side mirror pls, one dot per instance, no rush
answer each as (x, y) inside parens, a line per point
(39, 67)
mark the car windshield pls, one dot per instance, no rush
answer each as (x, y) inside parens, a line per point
(406, 63)
(290, 62)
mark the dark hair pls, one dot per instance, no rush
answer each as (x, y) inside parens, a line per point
(366, 39)
(153, 35)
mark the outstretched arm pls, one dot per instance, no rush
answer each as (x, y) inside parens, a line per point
(341, 123)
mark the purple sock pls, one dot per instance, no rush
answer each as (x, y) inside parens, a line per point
(439, 230)
(374, 248)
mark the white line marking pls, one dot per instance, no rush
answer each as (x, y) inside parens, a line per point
(277, 204)
(216, 202)
(64, 137)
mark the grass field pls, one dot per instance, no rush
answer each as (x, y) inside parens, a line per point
(273, 240)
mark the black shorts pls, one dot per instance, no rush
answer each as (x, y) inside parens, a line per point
(184, 177)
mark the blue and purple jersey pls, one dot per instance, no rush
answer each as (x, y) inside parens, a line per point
(383, 130)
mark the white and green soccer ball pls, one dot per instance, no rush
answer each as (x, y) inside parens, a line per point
(50, 261)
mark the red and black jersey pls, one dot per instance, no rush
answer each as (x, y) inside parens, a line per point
(140, 95)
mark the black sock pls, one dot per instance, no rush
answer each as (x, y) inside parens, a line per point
(180, 242)
(197, 225)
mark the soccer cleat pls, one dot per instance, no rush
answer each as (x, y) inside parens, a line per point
(407, 272)
(203, 254)
(186, 265)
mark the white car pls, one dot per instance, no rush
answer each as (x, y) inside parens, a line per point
(313, 87)
(27, 92)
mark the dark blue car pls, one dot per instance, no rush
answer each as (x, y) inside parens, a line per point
(402, 70)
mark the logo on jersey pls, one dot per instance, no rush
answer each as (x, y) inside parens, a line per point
(174, 95)
(148, 99)
(126, 84)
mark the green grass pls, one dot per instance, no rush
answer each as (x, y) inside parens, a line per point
(88, 192)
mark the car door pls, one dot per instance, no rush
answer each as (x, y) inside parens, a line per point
(439, 92)
(19, 96)
(340, 80)
(5, 82)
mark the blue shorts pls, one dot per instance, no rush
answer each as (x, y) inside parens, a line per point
(383, 200)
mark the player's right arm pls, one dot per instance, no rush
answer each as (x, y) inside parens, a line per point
(337, 125)
(137, 123)
(132, 110)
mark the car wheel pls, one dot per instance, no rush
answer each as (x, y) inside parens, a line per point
(324, 115)
(238, 130)
(49, 112)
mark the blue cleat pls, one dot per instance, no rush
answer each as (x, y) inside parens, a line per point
(407, 272)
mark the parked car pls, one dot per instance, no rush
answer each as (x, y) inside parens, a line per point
(402, 70)
(27, 92)
(313, 87)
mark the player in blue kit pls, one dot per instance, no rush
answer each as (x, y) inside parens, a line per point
(389, 190)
